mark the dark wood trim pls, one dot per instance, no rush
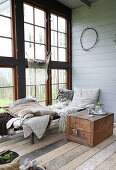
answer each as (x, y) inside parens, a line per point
(20, 49)
(8, 62)
(52, 6)
(59, 65)
(86, 2)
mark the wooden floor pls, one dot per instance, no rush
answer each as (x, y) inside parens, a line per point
(56, 152)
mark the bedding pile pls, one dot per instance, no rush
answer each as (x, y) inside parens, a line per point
(34, 117)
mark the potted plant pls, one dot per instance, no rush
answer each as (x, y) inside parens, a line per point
(9, 160)
(98, 108)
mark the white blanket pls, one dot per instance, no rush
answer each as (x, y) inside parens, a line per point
(37, 125)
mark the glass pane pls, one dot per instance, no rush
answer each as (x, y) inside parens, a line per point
(5, 47)
(29, 32)
(28, 13)
(6, 96)
(53, 101)
(54, 91)
(54, 76)
(29, 50)
(5, 7)
(53, 22)
(30, 77)
(39, 17)
(6, 77)
(43, 103)
(40, 76)
(54, 54)
(40, 51)
(61, 40)
(53, 38)
(62, 76)
(62, 54)
(61, 24)
(30, 91)
(62, 86)
(39, 35)
(40, 92)
(5, 27)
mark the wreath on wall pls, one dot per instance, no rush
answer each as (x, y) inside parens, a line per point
(84, 37)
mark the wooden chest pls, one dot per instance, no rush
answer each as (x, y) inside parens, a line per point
(87, 130)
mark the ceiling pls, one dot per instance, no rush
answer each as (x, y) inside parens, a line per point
(73, 3)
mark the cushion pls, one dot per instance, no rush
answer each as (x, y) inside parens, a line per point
(64, 95)
(23, 109)
(84, 97)
(23, 100)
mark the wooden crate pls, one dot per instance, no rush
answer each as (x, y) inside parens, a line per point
(87, 130)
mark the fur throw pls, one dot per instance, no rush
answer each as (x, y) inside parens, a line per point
(4, 118)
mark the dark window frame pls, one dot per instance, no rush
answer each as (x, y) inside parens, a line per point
(18, 61)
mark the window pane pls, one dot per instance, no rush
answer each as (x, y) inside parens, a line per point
(29, 32)
(6, 87)
(61, 40)
(53, 22)
(40, 51)
(62, 86)
(62, 76)
(5, 8)
(40, 76)
(5, 47)
(5, 27)
(61, 24)
(54, 76)
(54, 53)
(28, 13)
(39, 35)
(30, 77)
(29, 50)
(54, 91)
(39, 17)
(30, 91)
(6, 77)
(62, 54)
(40, 92)
(59, 80)
(53, 38)
(6, 96)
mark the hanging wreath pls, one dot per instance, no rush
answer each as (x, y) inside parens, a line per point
(82, 36)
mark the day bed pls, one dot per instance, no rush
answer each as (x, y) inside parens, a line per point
(32, 118)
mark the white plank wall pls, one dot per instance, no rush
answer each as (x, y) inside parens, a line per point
(97, 67)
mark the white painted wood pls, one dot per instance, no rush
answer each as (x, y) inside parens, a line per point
(96, 68)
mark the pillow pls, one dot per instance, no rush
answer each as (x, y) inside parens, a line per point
(84, 97)
(22, 109)
(44, 111)
(64, 95)
(23, 100)
(34, 108)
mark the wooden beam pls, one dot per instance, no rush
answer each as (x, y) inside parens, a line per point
(86, 2)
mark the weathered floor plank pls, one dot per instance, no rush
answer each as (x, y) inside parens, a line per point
(66, 157)
(27, 148)
(84, 157)
(108, 163)
(98, 158)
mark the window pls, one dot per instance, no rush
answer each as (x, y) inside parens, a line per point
(35, 85)
(35, 48)
(6, 37)
(35, 32)
(6, 86)
(59, 80)
(43, 32)
(58, 38)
